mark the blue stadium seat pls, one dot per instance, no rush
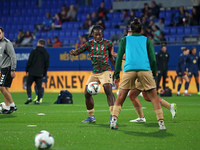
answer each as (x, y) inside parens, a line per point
(168, 13)
(82, 32)
(112, 32)
(108, 24)
(110, 16)
(86, 9)
(172, 39)
(13, 4)
(187, 31)
(34, 42)
(68, 34)
(66, 41)
(76, 25)
(44, 35)
(162, 14)
(180, 31)
(38, 35)
(49, 34)
(74, 34)
(80, 9)
(72, 41)
(195, 31)
(167, 22)
(173, 30)
(96, 3)
(92, 9)
(70, 25)
(116, 16)
(119, 31)
(20, 4)
(179, 39)
(166, 30)
(62, 35)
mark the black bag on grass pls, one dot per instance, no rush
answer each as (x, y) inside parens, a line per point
(65, 97)
(166, 92)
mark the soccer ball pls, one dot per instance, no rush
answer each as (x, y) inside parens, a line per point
(44, 140)
(2, 107)
(93, 88)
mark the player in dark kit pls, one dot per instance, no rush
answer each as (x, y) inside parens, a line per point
(100, 53)
(181, 71)
(193, 66)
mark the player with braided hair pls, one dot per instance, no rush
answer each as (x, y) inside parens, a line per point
(100, 52)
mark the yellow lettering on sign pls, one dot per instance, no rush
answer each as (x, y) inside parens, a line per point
(64, 56)
(82, 56)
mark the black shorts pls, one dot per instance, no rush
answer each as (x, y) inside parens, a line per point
(6, 79)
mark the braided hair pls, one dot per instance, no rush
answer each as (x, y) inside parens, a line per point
(96, 27)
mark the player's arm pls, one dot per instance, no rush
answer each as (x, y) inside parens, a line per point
(152, 57)
(11, 52)
(46, 65)
(29, 62)
(111, 58)
(82, 49)
(120, 53)
(114, 54)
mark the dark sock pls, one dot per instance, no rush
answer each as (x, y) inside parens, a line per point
(42, 92)
(186, 85)
(36, 90)
(179, 86)
(29, 96)
(197, 84)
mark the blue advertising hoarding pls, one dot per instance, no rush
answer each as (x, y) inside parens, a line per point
(61, 60)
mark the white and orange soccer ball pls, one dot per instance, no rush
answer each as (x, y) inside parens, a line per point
(2, 106)
(44, 140)
(94, 88)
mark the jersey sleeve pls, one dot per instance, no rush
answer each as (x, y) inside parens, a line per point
(110, 45)
(84, 47)
(11, 52)
(120, 53)
(152, 57)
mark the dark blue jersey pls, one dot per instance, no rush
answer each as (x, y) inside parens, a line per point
(182, 63)
(193, 62)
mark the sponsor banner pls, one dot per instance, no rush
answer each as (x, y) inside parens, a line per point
(74, 81)
(61, 60)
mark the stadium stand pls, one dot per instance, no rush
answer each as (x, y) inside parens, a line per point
(23, 14)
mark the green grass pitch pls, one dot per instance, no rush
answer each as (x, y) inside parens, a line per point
(64, 122)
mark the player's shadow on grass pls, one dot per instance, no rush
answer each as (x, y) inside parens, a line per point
(108, 125)
(157, 134)
(150, 124)
(5, 116)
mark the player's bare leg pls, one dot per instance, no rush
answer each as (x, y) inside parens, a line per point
(152, 94)
(117, 107)
(90, 107)
(179, 86)
(187, 81)
(137, 104)
(110, 97)
(8, 99)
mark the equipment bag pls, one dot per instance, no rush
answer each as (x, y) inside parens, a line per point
(65, 97)
(166, 92)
